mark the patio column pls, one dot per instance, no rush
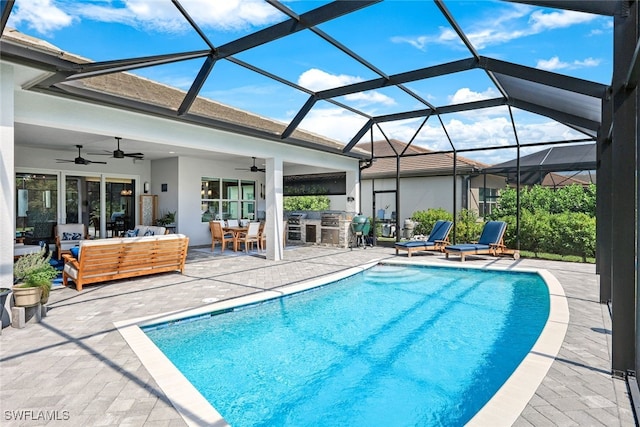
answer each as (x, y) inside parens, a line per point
(624, 269)
(274, 217)
(7, 174)
(353, 191)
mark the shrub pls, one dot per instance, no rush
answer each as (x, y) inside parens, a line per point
(468, 228)
(426, 219)
(535, 231)
(306, 203)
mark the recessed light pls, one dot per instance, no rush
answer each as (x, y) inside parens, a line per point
(172, 152)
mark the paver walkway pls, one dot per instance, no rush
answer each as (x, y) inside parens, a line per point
(76, 368)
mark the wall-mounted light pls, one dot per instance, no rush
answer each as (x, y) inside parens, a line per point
(146, 187)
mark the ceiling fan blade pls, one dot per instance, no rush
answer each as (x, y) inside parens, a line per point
(92, 161)
(64, 161)
(137, 155)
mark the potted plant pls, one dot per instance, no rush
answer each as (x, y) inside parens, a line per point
(32, 278)
(168, 219)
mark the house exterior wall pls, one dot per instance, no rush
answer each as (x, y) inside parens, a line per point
(476, 183)
(415, 194)
(422, 193)
(181, 174)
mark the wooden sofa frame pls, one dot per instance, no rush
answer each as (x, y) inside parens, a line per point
(120, 258)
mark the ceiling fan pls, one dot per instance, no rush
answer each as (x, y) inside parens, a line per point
(253, 168)
(79, 160)
(119, 154)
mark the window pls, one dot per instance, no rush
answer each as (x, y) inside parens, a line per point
(227, 199)
(36, 205)
(488, 200)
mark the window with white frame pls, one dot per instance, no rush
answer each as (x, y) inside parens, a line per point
(226, 198)
(488, 200)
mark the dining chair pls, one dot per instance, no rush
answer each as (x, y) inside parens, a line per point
(218, 235)
(263, 235)
(250, 236)
(232, 223)
(262, 238)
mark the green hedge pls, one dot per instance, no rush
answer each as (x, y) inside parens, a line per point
(558, 221)
(551, 221)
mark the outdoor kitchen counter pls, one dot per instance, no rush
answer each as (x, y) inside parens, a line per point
(331, 229)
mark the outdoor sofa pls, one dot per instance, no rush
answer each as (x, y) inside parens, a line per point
(95, 261)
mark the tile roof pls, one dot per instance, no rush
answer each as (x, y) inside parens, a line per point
(127, 86)
(420, 161)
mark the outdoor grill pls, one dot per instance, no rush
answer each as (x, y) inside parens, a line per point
(330, 220)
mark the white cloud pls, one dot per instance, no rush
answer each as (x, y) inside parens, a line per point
(502, 27)
(316, 80)
(465, 94)
(44, 16)
(588, 62)
(551, 64)
(334, 123)
(555, 63)
(541, 21)
(371, 97)
(495, 131)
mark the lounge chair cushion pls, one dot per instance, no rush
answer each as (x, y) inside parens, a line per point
(414, 243)
(468, 247)
(492, 232)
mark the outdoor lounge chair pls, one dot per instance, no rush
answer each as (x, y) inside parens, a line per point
(437, 240)
(490, 242)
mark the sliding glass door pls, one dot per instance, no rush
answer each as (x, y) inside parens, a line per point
(98, 202)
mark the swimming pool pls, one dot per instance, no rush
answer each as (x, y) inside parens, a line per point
(364, 339)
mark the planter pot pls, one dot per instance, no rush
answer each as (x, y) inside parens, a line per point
(26, 297)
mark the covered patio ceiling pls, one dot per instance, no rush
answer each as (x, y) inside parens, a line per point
(518, 91)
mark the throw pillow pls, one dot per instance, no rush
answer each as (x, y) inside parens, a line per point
(149, 233)
(75, 252)
(131, 233)
(71, 236)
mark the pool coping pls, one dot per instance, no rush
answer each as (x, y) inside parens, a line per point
(502, 409)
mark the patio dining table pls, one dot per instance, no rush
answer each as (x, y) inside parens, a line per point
(236, 231)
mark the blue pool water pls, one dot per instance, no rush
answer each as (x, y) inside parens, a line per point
(393, 346)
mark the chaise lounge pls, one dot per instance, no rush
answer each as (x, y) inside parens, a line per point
(490, 242)
(437, 240)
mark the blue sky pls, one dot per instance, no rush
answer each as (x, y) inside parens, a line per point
(394, 36)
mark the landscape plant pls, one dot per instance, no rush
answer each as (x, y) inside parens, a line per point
(424, 220)
(559, 221)
(306, 203)
(34, 271)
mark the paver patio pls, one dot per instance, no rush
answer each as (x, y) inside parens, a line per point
(76, 366)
